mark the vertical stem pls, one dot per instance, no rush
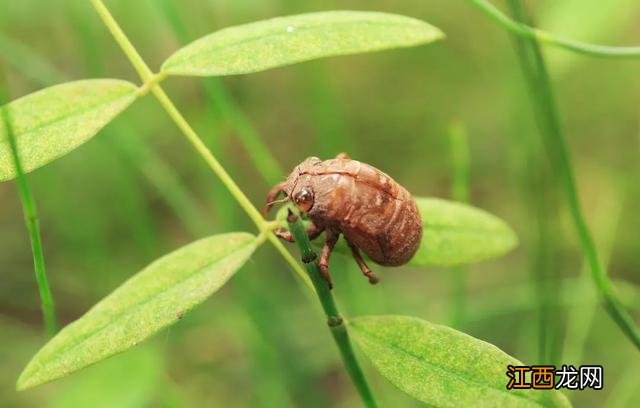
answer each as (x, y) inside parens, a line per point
(535, 190)
(334, 319)
(33, 226)
(544, 271)
(459, 153)
(556, 146)
(581, 317)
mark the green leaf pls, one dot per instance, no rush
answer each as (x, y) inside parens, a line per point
(441, 366)
(457, 234)
(282, 41)
(153, 299)
(52, 122)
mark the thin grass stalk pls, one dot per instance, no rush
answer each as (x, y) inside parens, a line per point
(580, 318)
(32, 223)
(558, 152)
(521, 29)
(535, 188)
(334, 318)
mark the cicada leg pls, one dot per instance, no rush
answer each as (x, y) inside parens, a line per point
(327, 249)
(366, 271)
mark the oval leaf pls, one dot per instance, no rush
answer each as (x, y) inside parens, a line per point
(153, 299)
(441, 366)
(457, 234)
(282, 41)
(52, 122)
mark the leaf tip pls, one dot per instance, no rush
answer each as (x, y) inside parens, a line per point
(437, 34)
(25, 380)
(430, 33)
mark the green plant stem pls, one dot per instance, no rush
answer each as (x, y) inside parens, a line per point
(544, 37)
(559, 156)
(260, 155)
(581, 318)
(226, 179)
(534, 179)
(206, 154)
(156, 171)
(33, 226)
(152, 167)
(541, 192)
(151, 82)
(225, 209)
(459, 152)
(541, 196)
(334, 319)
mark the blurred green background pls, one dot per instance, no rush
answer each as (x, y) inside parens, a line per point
(137, 191)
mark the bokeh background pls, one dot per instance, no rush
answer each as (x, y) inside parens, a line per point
(138, 190)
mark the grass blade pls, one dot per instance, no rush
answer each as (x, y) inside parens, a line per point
(33, 226)
(556, 145)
